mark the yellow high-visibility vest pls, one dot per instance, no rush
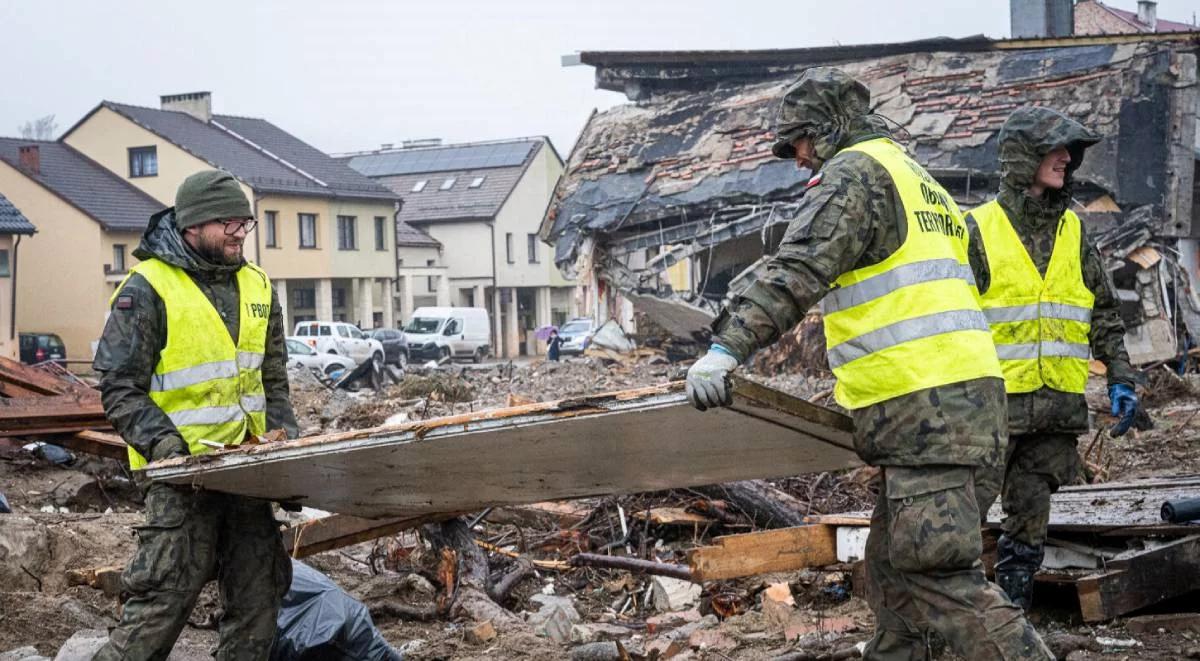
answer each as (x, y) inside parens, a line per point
(210, 388)
(1040, 325)
(912, 321)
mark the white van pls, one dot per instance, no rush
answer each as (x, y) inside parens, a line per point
(435, 333)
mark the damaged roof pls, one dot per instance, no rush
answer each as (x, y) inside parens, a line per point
(454, 182)
(687, 151)
(84, 184)
(264, 156)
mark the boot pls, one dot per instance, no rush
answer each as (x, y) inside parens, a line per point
(1016, 565)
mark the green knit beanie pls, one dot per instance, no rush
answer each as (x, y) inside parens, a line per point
(209, 195)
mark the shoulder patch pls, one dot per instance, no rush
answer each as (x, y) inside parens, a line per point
(813, 181)
(124, 302)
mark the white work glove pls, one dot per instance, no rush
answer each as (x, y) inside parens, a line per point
(708, 379)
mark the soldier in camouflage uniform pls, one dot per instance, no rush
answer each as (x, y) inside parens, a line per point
(193, 536)
(1044, 423)
(939, 447)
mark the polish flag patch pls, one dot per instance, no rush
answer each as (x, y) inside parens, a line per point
(813, 181)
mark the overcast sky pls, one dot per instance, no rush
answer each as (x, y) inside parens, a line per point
(351, 74)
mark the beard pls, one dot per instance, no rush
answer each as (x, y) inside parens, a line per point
(213, 251)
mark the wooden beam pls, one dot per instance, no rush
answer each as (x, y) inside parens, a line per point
(785, 549)
(1141, 580)
(92, 442)
(338, 530)
(31, 378)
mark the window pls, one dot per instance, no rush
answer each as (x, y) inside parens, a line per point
(5, 272)
(508, 247)
(347, 234)
(143, 162)
(429, 279)
(380, 233)
(533, 251)
(449, 183)
(304, 298)
(270, 228)
(308, 230)
(118, 265)
(419, 186)
(339, 297)
(343, 331)
(356, 334)
(476, 182)
(325, 330)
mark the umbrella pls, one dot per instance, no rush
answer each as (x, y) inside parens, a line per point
(543, 333)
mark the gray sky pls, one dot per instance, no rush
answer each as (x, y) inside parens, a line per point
(351, 74)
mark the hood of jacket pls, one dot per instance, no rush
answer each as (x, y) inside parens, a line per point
(832, 107)
(1025, 139)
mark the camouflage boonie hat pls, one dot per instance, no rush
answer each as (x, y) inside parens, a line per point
(822, 99)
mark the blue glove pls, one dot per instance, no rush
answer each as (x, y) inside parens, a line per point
(1125, 405)
(708, 379)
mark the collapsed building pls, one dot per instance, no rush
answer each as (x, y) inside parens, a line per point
(671, 202)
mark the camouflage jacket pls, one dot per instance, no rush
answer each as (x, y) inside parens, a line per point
(1027, 136)
(136, 332)
(852, 219)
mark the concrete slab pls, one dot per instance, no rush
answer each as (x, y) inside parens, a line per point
(637, 440)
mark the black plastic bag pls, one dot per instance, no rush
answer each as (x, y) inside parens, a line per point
(320, 622)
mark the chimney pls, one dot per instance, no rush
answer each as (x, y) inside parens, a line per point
(1040, 19)
(30, 157)
(196, 104)
(1148, 14)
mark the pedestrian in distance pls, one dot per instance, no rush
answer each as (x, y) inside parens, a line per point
(553, 345)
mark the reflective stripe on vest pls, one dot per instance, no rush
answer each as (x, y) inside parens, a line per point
(210, 388)
(1040, 325)
(912, 321)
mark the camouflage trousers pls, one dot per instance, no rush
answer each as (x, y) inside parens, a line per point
(189, 538)
(1038, 464)
(924, 572)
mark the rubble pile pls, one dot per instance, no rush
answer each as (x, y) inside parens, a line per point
(620, 577)
(431, 392)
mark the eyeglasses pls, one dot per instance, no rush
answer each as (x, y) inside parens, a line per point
(232, 226)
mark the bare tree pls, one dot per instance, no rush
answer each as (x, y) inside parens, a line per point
(42, 128)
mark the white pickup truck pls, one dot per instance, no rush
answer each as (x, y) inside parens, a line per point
(339, 338)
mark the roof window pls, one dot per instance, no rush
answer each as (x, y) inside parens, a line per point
(476, 182)
(420, 186)
(449, 183)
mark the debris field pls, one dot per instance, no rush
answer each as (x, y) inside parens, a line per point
(688, 573)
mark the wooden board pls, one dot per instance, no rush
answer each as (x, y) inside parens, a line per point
(93, 442)
(785, 549)
(637, 440)
(338, 530)
(1141, 580)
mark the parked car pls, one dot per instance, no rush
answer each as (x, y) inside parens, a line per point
(395, 345)
(576, 335)
(39, 347)
(339, 338)
(300, 354)
(436, 333)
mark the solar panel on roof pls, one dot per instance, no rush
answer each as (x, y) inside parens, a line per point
(469, 157)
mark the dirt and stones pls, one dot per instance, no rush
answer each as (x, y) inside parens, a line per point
(727, 623)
